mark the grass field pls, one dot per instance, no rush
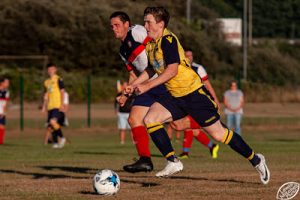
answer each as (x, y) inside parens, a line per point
(30, 170)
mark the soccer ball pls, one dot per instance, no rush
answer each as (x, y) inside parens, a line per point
(106, 182)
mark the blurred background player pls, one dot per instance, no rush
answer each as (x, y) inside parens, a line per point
(234, 102)
(48, 139)
(198, 134)
(54, 103)
(66, 108)
(170, 131)
(4, 97)
(123, 113)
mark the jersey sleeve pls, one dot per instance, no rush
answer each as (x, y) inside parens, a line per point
(139, 33)
(202, 73)
(66, 98)
(138, 58)
(169, 47)
(141, 61)
(7, 95)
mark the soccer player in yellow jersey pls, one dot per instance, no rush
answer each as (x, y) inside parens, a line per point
(189, 96)
(54, 103)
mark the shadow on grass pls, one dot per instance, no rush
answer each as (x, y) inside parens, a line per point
(100, 153)
(141, 183)
(40, 175)
(207, 179)
(84, 170)
(284, 140)
(89, 193)
(111, 153)
(69, 169)
(195, 179)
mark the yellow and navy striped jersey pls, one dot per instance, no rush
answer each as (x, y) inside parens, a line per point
(53, 86)
(167, 50)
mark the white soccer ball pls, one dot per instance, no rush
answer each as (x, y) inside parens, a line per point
(106, 182)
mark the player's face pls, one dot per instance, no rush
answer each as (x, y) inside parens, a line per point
(154, 29)
(52, 70)
(5, 84)
(189, 56)
(119, 28)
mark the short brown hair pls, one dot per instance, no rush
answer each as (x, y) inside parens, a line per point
(159, 13)
(122, 15)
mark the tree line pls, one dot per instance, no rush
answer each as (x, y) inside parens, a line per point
(76, 35)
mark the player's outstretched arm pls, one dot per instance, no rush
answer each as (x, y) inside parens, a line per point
(45, 102)
(132, 77)
(170, 71)
(141, 79)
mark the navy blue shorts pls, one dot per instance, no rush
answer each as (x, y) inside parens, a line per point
(148, 98)
(199, 104)
(2, 120)
(55, 113)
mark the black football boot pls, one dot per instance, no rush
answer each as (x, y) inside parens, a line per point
(144, 164)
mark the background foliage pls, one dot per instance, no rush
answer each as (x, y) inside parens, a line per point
(76, 35)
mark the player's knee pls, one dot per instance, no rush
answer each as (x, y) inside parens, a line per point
(131, 120)
(150, 120)
(53, 121)
(219, 135)
(135, 121)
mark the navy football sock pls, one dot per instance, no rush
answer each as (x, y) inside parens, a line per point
(162, 141)
(236, 142)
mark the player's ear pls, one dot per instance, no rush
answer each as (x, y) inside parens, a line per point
(161, 24)
(126, 24)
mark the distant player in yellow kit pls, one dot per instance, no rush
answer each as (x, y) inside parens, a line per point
(54, 103)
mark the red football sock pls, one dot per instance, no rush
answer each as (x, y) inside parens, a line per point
(141, 140)
(188, 140)
(203, 138)
(193, 123)
(2, 131)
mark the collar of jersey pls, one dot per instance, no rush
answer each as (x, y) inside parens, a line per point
(165, 32)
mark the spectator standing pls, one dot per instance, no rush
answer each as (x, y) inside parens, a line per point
(234, 102)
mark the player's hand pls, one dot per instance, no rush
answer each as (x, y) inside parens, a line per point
(129, 89)
(62, 107)
(43, 110)
(121, 100)
(141, 88)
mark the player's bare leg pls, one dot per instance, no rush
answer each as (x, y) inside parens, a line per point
(47, 136)
(154, 120)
